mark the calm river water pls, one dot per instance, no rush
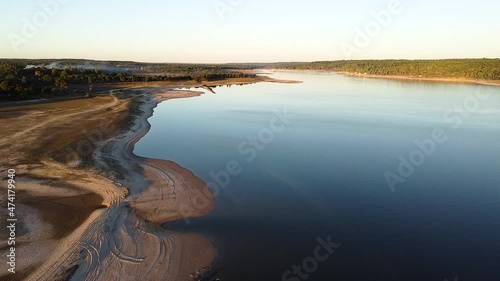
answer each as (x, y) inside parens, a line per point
(405, 176)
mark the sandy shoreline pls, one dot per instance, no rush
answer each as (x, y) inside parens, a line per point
(97, 216)
(158, 190)
(407, 78)
(427, 79)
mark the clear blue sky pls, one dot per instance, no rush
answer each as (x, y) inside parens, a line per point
(252, 31)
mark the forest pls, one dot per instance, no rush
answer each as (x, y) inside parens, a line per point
(488, 69)
(21, 79)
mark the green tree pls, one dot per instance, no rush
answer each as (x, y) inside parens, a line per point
(4, 85)
(122, 77)
(64, 75)
(61, 83)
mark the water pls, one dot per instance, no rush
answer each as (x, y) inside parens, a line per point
(323, 175)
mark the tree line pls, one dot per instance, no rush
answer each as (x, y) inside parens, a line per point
(17, 81)
(453, 68)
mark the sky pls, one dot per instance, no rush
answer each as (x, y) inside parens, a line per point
(220, 31)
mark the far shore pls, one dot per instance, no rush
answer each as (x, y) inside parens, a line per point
(408, 78)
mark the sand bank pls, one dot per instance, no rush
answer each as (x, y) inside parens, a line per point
(88, 208)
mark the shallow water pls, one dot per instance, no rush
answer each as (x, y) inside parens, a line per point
(323, 174)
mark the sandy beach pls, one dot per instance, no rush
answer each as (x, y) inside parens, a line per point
(87, 206)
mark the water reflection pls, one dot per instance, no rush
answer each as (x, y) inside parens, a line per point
(323, 176)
